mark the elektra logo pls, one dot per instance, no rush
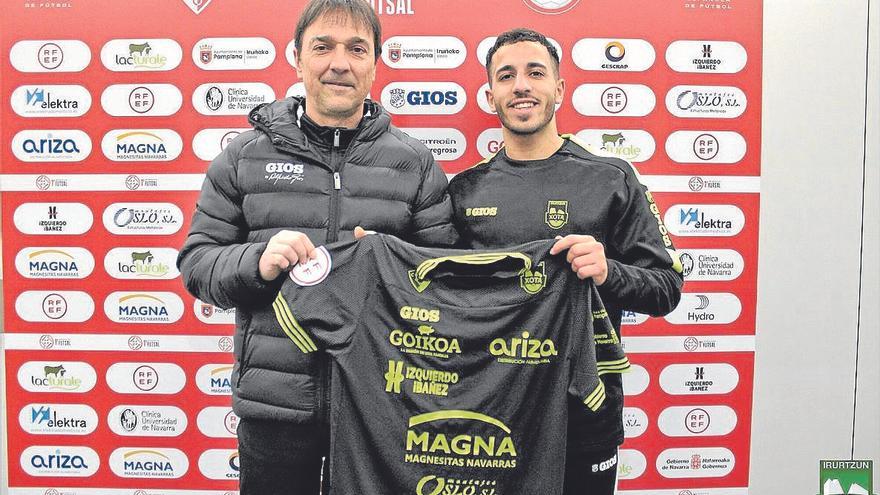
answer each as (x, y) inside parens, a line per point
(423, 98)
(54, 262)
(230, 98)
(142, 218)
(51, 101)
(704, 220)
(141, 263)
(219, 464)
(233, 53)
(423, 52)
(136, 55)
(711, 102)
(620, 100)
(63, 306)
(631, 55)
(490, 142)
(212, 315)
(146, 378)
(57, 376)
(136, 100)
(710, 308)
(51, 146)
(144, 462)
(711, 264)
(636, 381)
(217, 422)
(631, 464)
(74, 462)
(58, 419)
(711, 462)
(720, 57)
(215, 379)
(551, 6)
(629, 144)
(446, 144)
(147, 421)
(699, 379)
(706, 147)
(701, 421)
(142, 145)
(487, 43)
(208, 143)
(50, 56)
(143, 307)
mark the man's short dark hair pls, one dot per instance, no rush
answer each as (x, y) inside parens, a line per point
(519, 35)
(358, 11)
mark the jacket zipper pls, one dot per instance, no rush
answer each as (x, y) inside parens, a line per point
(336, 187)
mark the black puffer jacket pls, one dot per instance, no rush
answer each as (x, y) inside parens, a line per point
(274, 178)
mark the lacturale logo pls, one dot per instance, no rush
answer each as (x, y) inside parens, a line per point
(846, 477)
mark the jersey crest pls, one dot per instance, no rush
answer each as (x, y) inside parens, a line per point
(532, 281)
(556, 215)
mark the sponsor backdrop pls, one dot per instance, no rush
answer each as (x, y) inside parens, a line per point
(117, 380)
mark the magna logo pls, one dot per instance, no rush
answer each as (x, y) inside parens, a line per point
(146, 378)
(212, 315)
(51, 146)
(704, 220)
(136, 55)
(58, 419)
(423, 98)
(217, 422)
(219, 464)
(629, 144)
(54, 262)
(215, 379)
(231, 98)
(617, 100)
(147, 421)
(720, 147)
(142, 218)
(50, 56)
(710, 462)
(145, 462)
(136, 100)
(208, 143)
(446, 144)
(142, 145)
(630, 55)
(60, 461)
(51, 101)
(423, 52)
(710, 308)
(53, 218)
(491, 448)
(709, 102)
(61, 306)
(57, 376)
(143, 307)
(142, 263)
(233, 53)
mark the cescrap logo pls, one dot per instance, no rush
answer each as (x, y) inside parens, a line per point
(629, 144)
(704, 220)
(720, 147)
(699, 379)
(635, 422)
(58, 419)
(710, 462)
(219, 464)
(137, 55)
(145, 462)
(54, 262)
(230, 98)
(233, 53)
(147, 421)
(720, 57)
(490, 142)
(631, 464)
(711, 264)
(136, 100)
(636, 381)
(616, 100)
(146, 378)
(53, 218)
(65, 461)
(142, 218)
(708, 102)
(62, 306)
(551, 6)
(57, 376)
(709, 308)
(51, 146)
(215, 379)
(142, 145)
(484, 46)
(423, 52)
(208, 143)
(697, 421)
(212, 315)
(65, 100)
(143, 307)
(459, 437)
(50, 56)
(607, 54)
(446, 144)
(141, 263)
(423, 98)
(217, 422)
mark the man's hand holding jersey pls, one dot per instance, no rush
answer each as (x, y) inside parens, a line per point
(285, 249)
(586, 255)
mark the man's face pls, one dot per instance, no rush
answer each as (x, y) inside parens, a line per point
(337, 65)
(524, 88)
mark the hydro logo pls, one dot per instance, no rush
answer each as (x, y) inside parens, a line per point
(58, 419)
(146, 462)
(50, 56)
(636, 381)
(60, 461)
(607, 54)
(53, 218)
(143, 307)
(146, 378)
(708, 102)
(615, 100)
(60, 306)
(423, 98)
(709, 462)
(446, 144)
(635, 422)
(51, 101)
(697, 421)
(484, 46)
(423, 52)
(701, 220)
(142, 145)
(631, 464)
(147, 421)
(219, 464)
(699, 379)
(139, 55)
(212, 315)
(54, 262)
(490, 142)
(233, 53)
(142, 218)
(708, 308)
(631, 145)
(142, 263)
(51, 146)
(217, 422)
(718, 57)
(57, 376)
(721, 147)
(215, 379)
(208, 143)
(141, 100)
(231, 98)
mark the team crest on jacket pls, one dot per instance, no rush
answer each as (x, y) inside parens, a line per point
(418, 284)
(532, 281)
(556, 215)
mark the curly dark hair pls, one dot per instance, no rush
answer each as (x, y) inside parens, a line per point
(519, 35)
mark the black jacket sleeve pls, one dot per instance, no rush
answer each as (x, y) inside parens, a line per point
(644, 273)
(431, 223)
(217, 263)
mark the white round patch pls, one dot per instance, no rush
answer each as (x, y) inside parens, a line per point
(314, 271)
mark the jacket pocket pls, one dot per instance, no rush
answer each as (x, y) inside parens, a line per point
(243, 321)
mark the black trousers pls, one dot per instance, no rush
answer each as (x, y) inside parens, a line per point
(591, 473)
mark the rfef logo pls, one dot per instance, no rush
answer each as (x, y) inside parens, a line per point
(50, 56)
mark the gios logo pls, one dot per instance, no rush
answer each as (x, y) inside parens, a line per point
(494, 448)
(58, 419)
(141, 145)
(419, 314)
(215, 379)
(57, 376)
(60, 262)
(533, 281)
(148, 463)
(51, 146)
(141, 263)
(424, 342)
(77, 462)
(523, 350)
(143, 307)
(423, 98)
(135, 55)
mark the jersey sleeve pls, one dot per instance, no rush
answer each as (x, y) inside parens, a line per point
(585, 384)
(320, 302)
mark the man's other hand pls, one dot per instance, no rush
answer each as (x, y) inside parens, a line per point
(586, 255)
(285, 249)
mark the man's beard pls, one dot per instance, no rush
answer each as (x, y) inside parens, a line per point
(524, 129)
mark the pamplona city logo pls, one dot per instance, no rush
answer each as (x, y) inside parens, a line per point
(846, 477)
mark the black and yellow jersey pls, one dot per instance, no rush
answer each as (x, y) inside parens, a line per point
(502, 202)
(450, 369)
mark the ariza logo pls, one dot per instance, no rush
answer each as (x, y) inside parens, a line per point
(533, 281)
(424, 381)
(556, 215)
(846, 477)
(486, 211)
(424, 342)
(523, 350)
(464, 449)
